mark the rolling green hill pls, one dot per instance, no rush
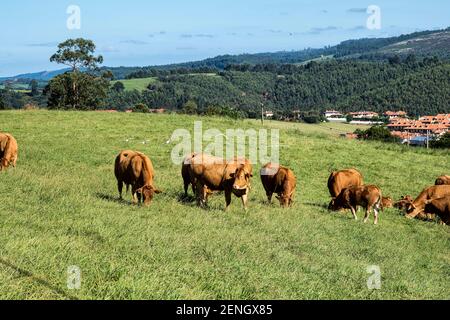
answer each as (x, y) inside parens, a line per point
(424, 43)
(59, 208)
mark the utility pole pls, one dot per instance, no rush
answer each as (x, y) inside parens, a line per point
(428, 139)
(262, 114)
(265, 98)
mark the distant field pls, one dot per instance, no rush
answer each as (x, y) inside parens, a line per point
(142, 84)
(136, 84)
(59, 208)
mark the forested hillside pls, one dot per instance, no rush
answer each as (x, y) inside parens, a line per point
(417, 86)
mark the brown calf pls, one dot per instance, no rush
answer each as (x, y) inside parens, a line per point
(280, 180)
(367, 197)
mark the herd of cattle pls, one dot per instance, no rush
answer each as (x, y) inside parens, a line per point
(207, 175)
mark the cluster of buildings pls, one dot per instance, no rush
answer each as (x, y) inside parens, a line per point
(421, 131)
(413, 132)
(360, 117)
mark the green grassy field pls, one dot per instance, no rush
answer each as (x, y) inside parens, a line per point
(136, 84)
(59, 208)
(142, 84)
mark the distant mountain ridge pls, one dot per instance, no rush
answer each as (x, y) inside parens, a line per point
(425, 43)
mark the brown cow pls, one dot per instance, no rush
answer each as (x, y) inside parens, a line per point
(417, 207)
(135, 169)
(340, 180)
(216, 174)
(386, 203)
(280, 180)
(8, 151)
(439, 207)
(442, 180)
(187, 179)
(367, 197)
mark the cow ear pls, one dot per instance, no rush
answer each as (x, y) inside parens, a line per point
(140, 190)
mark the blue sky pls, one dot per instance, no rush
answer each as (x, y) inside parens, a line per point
(151, 32)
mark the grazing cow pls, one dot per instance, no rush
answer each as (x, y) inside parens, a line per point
(443, 180)
(136, 170)
(367, 197)
(8, 151)
(386, 203)
(439, 207)
(403, 203)
(216, 174)
(340, 180)
(417, 207)
(280, 180)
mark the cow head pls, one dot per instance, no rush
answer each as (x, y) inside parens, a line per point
(413, 211)
(333, 206)
(241, 179)
(147, 193)
(285, 200)
(403, 203)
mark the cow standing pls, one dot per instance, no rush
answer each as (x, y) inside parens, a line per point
(216, 174)
(280, 180)
(367, 197)
(8, 151)
(417, 207)
(136, 170)
(340, 180)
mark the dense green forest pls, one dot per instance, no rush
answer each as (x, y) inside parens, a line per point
(417, 86)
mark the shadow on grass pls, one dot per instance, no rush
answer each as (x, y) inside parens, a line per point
(42, 282)
(107, 197)
(317, 205)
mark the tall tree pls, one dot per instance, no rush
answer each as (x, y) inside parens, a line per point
(77, 53)
(75, 89)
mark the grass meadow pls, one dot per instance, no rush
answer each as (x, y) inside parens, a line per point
(59, 208)
(136, 84)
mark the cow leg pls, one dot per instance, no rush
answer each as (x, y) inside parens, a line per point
(200, 193)
(269, 197)
(245, 201)
(186, 188)
(368, 211)
(376, 212)
(353, 209)
(120, 188)
(227, 199)
(134, 195)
